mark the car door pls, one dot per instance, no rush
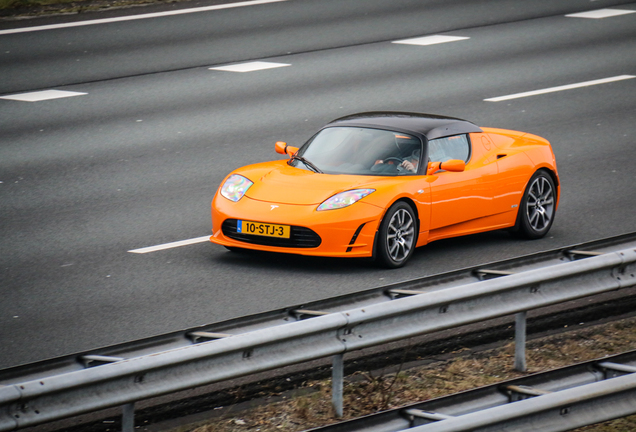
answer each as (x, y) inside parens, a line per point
(458, 197)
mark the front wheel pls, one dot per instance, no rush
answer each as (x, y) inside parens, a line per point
(538, 206)
(397, 236)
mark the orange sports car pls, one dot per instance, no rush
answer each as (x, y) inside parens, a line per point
(381, 184)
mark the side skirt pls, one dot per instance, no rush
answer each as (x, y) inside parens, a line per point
(474, 226)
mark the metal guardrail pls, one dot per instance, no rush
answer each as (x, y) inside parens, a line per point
(402, 313)
(562, 399)
(187, 337)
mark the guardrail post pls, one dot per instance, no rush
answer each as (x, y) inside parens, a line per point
(128, 417)
(337, 377)
(520, 341)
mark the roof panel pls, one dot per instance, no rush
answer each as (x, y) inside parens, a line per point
(429, 125)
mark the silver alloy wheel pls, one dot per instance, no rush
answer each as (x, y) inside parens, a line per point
(540, 204)
(400, 235)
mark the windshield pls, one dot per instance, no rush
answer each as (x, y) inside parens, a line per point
(362, 151)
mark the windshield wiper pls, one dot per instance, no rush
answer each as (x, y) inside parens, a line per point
(313, 167)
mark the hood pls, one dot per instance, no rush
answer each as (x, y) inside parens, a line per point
(288, 185)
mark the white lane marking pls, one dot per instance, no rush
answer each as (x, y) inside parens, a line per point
(430, 40)
(41, 95)
(137, 17)
(170, 245)
(560, 88)
(250, 66)
(600, 13)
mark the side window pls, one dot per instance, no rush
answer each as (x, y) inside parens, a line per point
(454, 147)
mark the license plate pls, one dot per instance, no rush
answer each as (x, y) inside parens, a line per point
(262, 229)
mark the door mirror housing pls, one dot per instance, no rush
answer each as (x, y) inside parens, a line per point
(453, 165)
(283, 148)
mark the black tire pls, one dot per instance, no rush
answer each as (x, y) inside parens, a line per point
(538, 207)
(397, 236)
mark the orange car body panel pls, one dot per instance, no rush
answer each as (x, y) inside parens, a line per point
(485, 196)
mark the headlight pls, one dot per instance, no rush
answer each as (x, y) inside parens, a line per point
(235, 187)
(344, 199)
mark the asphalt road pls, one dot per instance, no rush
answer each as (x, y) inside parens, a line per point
(135, 161)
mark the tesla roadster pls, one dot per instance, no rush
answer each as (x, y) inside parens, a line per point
(381, 184)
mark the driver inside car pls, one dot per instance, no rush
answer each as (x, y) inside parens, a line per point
(410, 163)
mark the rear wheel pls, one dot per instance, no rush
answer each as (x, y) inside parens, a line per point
(538, 206)
(397, 236)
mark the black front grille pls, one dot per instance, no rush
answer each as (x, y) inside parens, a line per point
(300, 237)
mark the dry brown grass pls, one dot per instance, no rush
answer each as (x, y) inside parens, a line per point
(368, 392)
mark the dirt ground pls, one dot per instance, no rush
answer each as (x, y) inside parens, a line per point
(368, 392)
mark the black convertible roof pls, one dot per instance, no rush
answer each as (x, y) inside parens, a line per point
(429, 125)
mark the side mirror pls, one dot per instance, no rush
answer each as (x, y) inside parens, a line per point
(280, 147)
(283, 148)
(453, 165)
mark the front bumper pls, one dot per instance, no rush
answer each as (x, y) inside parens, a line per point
(346, 232)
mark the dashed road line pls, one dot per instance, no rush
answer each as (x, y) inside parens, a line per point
(137, 17)
(560, 88)
(430, 40)
(601, 13)
(42, 95)
(250, 66)
(171, 245)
